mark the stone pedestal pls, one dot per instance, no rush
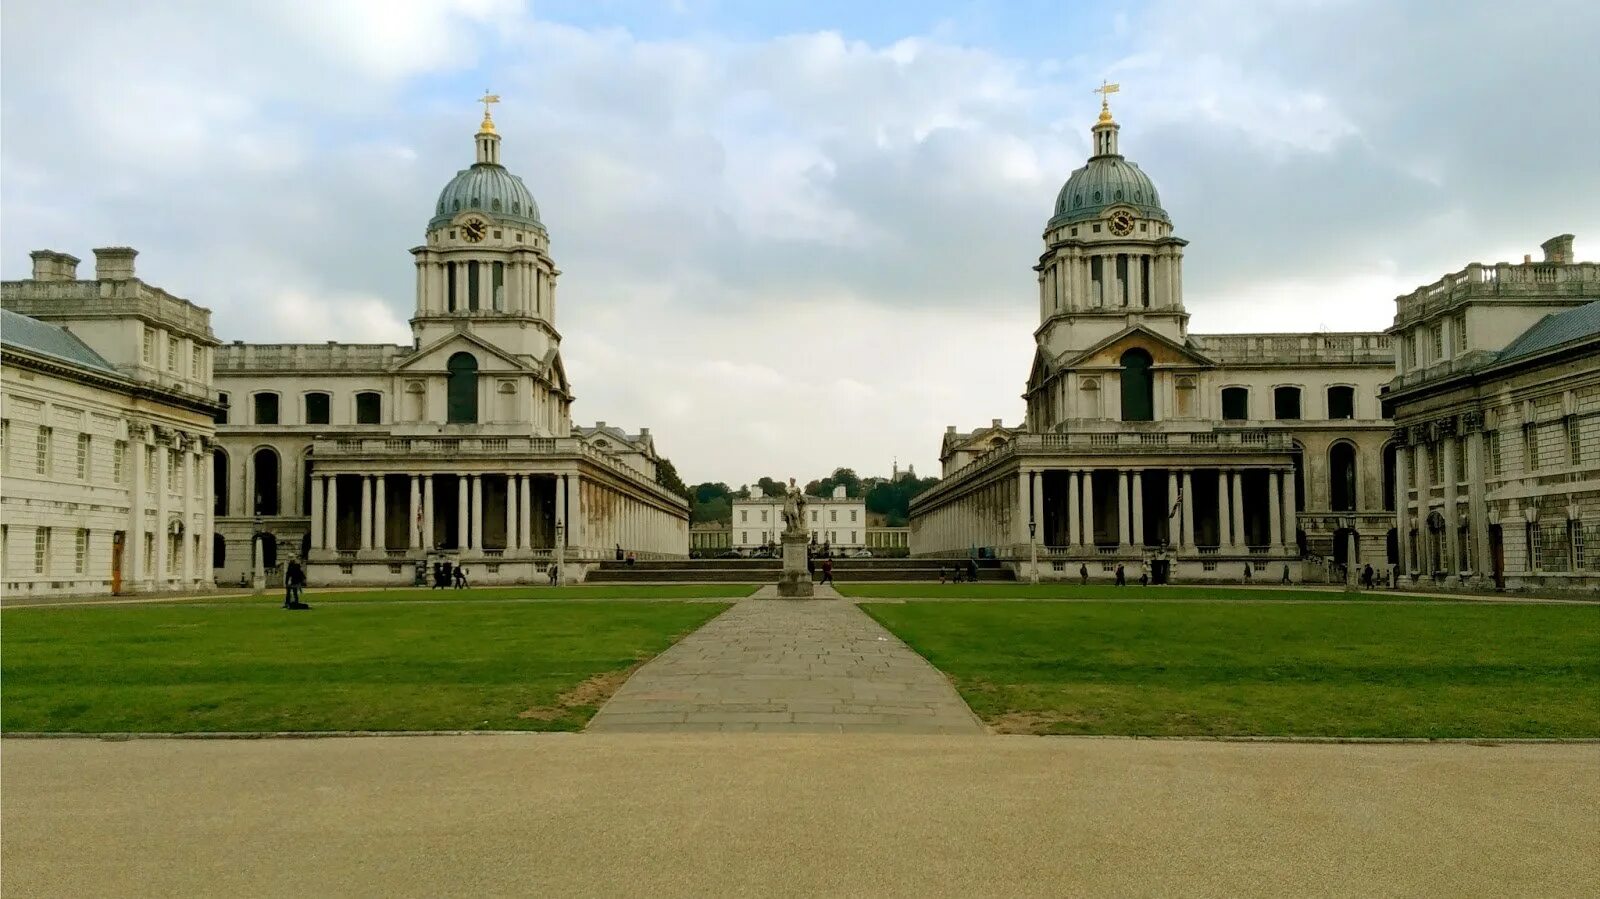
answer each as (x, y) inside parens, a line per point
(794, 582)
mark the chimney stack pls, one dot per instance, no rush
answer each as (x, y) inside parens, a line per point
(995, 423)
(114, 263)
(48, 265)
(1558, 249)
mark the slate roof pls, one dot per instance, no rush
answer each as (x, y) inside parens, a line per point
(35, 336)
(1554, 330)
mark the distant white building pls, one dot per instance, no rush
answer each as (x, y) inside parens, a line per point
(839, 521)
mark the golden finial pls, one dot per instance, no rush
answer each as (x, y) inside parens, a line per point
(1105, 91)
(488, 123)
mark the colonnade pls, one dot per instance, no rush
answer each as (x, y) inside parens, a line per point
(1068, 282)
(167, 465)
(520, 529)
(1010, 513)
(527, 286)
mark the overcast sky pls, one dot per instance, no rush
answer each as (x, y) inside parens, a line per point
(797, 235)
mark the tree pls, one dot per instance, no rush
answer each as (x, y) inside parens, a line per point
(667, 476)
(770, 487)
(846, 477)
(718, 509)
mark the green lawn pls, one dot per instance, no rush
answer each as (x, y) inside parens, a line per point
(1232, 669)
(569, 592)
(1009, 590)
(357, 666)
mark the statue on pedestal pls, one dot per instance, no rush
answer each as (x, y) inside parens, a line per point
(794, 510)
(794, 579)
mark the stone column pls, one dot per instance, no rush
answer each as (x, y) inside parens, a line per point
(1237, 477)
(1477, 506)
(577, 523)
(414, 513)
(561, 506)
(366, 512)
(1274, 510)
(1038, 506)
(427, 513)
(1137, 504)
(1135, 279)
(208, 475)
(330, 529)
(1019, 524)
(1452, 518)
(1402, 506)
(1086, 533)
(1074, 515)
(1124, 532)
(525, 506)
(463, 513)
(380, 512)
(133, 545)
(1224, 517)
(1174, 528)
(318, 485)
(163, 503)
(511, 514)
(191, 463)
(477, 513)
(1291, 520)
(1189, 543)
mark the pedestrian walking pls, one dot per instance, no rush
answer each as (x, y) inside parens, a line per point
(827, 571)
(1083, 574)
(461, 577)
(1247, 572)
(1366, 577)
(1122, 577)
(941, 574)
(1144, 579)
(1286, 572)
(553, 575)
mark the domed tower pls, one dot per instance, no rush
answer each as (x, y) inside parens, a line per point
(1110, 260)
(486, 267)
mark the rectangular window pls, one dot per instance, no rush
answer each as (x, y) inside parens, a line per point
(1341, 402)
(1235, 403)
(853, 518)
(1459, 336)
(174, 549)
(1144, 287)
(221, 417)
(1578, 554)
(1286, 403)
(119, 456)
(148, 351)
(83, 457)
(1436, 456)
(42, 452)
(1122, 278)
(833, 514)
(1461, 459)
(172, 354)
(174, 470)
(497, 286)
(744, 516)
(852, 536)
(472, 286)
(450, 283)
(1495, 463)
(196, 363)
(369, 408)
(1436, 333)
(80, 551)
(41, 550)
(1574, 451)
(1530, 439)
(1097, 280)
(5, 439)
(763, 516)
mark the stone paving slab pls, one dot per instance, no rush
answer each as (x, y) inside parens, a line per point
(796, 666)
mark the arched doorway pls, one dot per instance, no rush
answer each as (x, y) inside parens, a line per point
(1138, 386)
(265, 468)
(219, 482)
(462, 394)
(1392, 546)
(219, 551)
(1389, 453)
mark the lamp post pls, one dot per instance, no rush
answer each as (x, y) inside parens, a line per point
(1033, 550)
(561, 551)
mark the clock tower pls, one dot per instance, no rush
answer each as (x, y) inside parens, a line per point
(486, 267)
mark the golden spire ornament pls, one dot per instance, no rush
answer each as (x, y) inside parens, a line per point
(488, 123)
(1105, 91)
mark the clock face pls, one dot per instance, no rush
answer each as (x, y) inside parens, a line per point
(1121, 223)
(474, 229)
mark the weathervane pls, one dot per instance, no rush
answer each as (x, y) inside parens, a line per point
(486, 99)
(1105, 91)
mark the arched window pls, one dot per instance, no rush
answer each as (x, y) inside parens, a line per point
(1235, 403)
(265, 464)
(317, 406)
(219, 482)
(1341, 402)
(369, 408)
(1138, 387)
(1342, 477)
(462, 402)
(1286, 403)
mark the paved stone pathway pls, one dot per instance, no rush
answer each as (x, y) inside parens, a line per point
(800, 666)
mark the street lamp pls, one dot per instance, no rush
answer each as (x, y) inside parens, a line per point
(1033, 549)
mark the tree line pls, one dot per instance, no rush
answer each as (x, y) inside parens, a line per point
(888, 497)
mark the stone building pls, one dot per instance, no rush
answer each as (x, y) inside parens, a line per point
(1145, 443)
(838, 520)
(370, 459)
(107, 431)
(1496, 405)
(709, 539)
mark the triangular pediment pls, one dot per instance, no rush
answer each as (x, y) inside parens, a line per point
(1041, 370)
(1164, 350)
(435, 356)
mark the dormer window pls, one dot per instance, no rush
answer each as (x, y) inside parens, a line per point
(516, 207)
(1097, 196)
(456, 205)
(1077, 199)
(494, 205)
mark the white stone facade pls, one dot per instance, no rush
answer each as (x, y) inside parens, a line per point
(839, 521)
(1496, 402)
(107, 429)
(1274, 441)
